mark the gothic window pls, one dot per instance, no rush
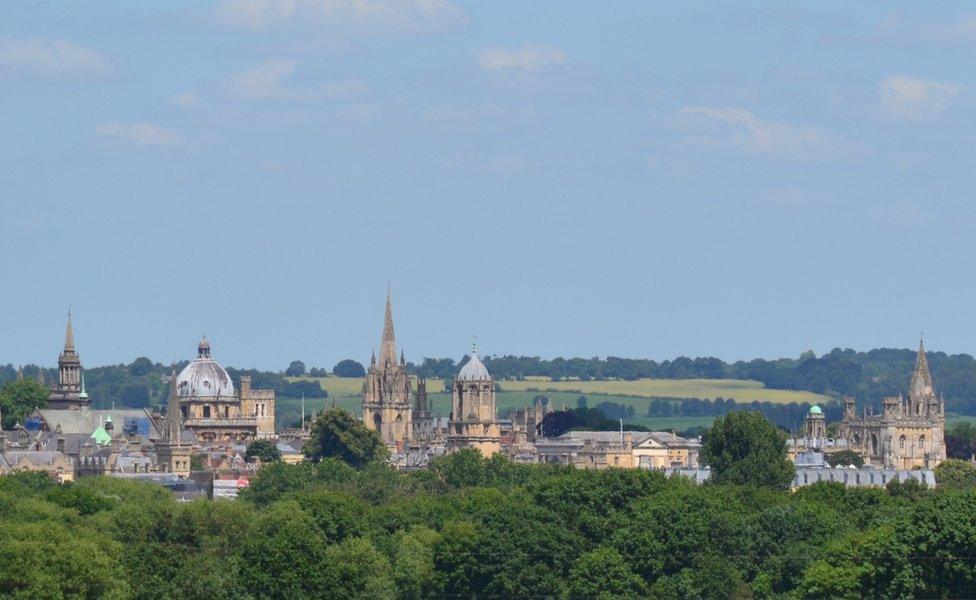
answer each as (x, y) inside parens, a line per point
(921, 441)
(874, 444)
(901, 442)
(377, 421)
(206, 412)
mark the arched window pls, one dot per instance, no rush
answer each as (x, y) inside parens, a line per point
(874, 444)
(901, 442)
(921, 441)
(377, 421)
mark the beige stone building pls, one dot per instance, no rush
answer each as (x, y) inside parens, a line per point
(211, 408)
(909, 432)
(388, 398)
(623, 449)
(474, 420)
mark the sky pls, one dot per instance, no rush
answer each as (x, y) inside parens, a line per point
(636, 179)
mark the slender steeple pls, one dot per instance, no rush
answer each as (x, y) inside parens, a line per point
(69, 336)
(921, 386)
(388, 345)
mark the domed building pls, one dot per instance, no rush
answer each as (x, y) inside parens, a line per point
(474, 422)
(213, 410)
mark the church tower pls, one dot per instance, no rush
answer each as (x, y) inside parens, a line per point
(172, 452)
(474, 421)
(387, 395)
(68, 394)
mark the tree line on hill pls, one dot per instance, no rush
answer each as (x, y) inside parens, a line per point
(869, 376)
(345, 525)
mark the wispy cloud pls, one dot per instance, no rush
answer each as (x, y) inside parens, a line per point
(263, 81)
(397, 15)
(527, 58)
(742, 128)
(57, 59)
(271, 80)
(145, 134)
(911, 97)
(186, 99)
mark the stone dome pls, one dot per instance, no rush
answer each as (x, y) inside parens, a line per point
(816, 410)
(474, 369)
(204, 377)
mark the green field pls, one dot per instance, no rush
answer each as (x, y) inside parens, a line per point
(741, 390)
(345, 391)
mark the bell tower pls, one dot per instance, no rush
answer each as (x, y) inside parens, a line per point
(68, 393)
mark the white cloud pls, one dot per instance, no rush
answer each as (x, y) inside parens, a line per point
(746, 130)
(271, 80)
(186, 99)
(910, 97)
(263, 81)
(52, 58)
(527, 58)
(146, 134)
(388, 14)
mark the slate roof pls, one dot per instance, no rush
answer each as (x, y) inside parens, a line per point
(86, 420)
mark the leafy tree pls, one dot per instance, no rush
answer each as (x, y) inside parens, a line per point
(337, 434)
(281, 554)
(744, 448)
(845, 458)
(355, 570)
(603, 575)
(295, 369)
(414, 570)
(140, 366)
(19, 397)
(348, 368)
(955, 474)
(264, 450)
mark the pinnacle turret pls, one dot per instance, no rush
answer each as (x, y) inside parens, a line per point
(921, 386)
(69, 336)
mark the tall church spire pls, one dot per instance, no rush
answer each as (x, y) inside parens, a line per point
(69, 336)
(921, 386)
(388, 345)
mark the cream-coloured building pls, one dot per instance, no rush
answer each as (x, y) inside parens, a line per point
(623, 449)
(474, 420)
(214, 411)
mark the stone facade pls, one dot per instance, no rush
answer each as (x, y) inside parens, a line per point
(909, 433)
(474, 421)
(388, 399)
(211, 408)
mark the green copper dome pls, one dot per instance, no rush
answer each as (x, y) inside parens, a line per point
(816, 410)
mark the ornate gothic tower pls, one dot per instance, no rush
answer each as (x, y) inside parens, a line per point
(474, 422)
(387, 395)
(173, 454)
(68, 394)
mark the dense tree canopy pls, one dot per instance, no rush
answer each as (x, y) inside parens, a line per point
(263, 450)
(744, 448)
(337, 434)
(478, 528)
(348, 368)
(19, 397)
(295, 369)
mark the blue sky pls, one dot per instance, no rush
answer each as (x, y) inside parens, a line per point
(558, 178)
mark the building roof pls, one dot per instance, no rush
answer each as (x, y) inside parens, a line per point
(816, 410)
(204, 377)
(474, 369)
(85, 420)
(605, 436)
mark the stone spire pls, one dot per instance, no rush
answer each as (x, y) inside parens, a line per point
(69, 336)
(388, 345)
(921, 386)
(173, 422)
